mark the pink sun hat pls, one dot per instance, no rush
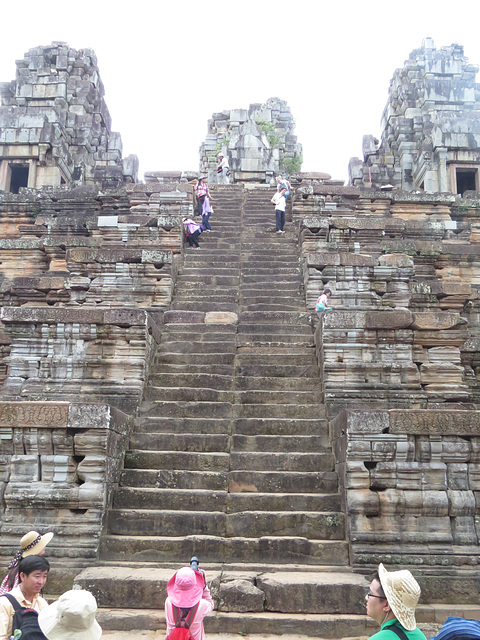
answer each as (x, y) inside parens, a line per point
(185, 588)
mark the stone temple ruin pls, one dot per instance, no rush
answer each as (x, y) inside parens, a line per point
(55, 125)
(431, 127)
(158, 403)
(259, 143)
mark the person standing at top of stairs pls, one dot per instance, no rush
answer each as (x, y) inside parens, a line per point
(222, 170)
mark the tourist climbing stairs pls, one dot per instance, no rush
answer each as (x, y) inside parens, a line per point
(231, 459)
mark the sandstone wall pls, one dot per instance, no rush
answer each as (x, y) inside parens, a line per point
(59, 462)
(411, 485)
(85, 277)
(55, 126)
(399, 358)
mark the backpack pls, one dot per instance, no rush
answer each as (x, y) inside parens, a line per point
(25, 621)
(182, 626)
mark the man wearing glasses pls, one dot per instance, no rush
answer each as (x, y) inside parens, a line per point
(391, 601)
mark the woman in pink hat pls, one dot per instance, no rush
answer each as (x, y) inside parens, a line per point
(188, 602)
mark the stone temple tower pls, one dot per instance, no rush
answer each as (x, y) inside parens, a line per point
(55, 127)
(259, 142)
(430, 127)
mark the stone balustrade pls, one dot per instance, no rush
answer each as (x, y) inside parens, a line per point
(59, 462)
(64, 353)
(410, 481)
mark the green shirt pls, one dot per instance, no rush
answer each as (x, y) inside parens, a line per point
(386, 634)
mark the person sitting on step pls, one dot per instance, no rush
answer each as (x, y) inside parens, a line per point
(192, 231)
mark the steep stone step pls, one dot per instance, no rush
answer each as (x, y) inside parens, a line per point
(276, 317)
(279, 411)
(283, 502)
(186, 394)
(281, 444)
(254, 370)
(142, 624)
(207, 279)
(196, 426)
(201, 330)
(272, 328)
(190, 442)
(170, 499)
(277, 301)
(186, 272)
(175, 479)
(207, 305)
(275, 287)
(278, 426)
(245, 481)
(274, 461)
(218, 361)
(266, 304)
(280, 279)
(246, 383)
(187, 379)
(294, 592)
(184, 346)
(158, 522)
(193, 461)
(269, 269)
(276, 356)
(273, 340)
(266, 550)
(191, 521)
(177, 409)
(218, 296)
(320, 526)
(279, 397)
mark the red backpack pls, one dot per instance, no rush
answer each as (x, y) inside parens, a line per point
(182, 625)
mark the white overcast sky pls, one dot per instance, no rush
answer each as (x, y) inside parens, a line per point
(168, 65)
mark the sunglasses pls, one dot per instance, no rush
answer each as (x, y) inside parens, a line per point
(372, 595)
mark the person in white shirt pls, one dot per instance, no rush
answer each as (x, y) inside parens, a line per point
(222, 169)
(280, 204)
(322, 302)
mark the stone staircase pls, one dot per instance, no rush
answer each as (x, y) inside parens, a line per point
(231, 458)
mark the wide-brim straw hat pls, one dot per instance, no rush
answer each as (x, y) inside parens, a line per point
(71, 617)
(402, 592)
(185, 588)
(33, 543)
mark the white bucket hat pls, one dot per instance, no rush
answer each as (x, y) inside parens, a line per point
(71, 617)
(402, 592)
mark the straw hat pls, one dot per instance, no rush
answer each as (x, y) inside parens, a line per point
(185, 588)
(33, 543)
(71, 617)
(402, 592)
